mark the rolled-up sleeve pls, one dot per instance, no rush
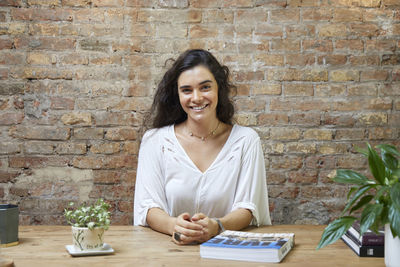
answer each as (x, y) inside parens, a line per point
(251, 192)
(149, 188)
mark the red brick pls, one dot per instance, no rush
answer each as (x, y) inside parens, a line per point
(362, 90)
(390, 89)
(37, 162)
(290, 74)
(350, 134)
(380, 45)
(7, 176)
(332, 30)
(268, 30)
(248, 76)
(107, 3)
(314, 14)
(299, 59)
(309, 119)
(380, 133)
(364, 60)
(250, 104)
(285, 15)
(251, 16)
(303, 177)
(4, 74)
(285, 45)
(374, 75)
(40, 132)
(332, 59)
(198, 31)
(275, 191)
(364, 30)
(71, 149)
(320, 162)
(353, 45)
(285, 134)
(76, 3)
(62, 103)
(131, 148)
(339, 120)
(272, 119)
(218, 16)
(41, 14)
(304, 105)
(109, 162)
(318, 45)
(347, 15)
(11, 118)
(105, 148)
(391, 3)
(303, 148)
(88, 133)
(45, 43)
(321, 192)
(14, 3)
(6, 43)
(302, 31)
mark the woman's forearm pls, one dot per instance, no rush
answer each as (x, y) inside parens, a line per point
(160, 221)
(237, 219)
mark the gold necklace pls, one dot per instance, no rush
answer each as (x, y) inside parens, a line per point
(203, 138)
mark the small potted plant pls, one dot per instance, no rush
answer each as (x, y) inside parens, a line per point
(88, 224)
(377, 200)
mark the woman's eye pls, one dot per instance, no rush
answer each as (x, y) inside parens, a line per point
(206, 87)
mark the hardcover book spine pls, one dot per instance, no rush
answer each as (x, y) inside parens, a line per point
(363, 251)
(368, 239)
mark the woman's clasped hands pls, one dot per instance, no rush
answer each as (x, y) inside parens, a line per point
(193, 230)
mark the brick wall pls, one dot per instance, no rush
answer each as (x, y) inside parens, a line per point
(315, 78)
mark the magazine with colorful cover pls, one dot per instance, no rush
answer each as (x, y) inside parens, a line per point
(247, 246)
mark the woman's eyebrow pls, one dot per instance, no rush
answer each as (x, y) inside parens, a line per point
(188, 86)
(206, 81)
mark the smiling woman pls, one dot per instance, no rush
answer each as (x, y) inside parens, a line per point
(198, 173)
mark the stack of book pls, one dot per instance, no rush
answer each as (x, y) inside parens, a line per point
(369, 244)
(247, 246)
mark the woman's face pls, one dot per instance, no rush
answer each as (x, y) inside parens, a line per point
(198, 93)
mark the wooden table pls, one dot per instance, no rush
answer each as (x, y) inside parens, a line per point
(139, 246)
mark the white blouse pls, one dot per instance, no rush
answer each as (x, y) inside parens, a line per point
(168, 179)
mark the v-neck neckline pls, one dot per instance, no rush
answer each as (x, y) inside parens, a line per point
(228, 140)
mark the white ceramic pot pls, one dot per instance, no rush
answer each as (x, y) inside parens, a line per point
(85, 239)
(392, 248)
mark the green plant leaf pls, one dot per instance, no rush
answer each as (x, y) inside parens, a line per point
(369, 215)
(362, 151)
(361, 191)
(395, 195)
(363, 201)
(335, 230)
(376, 165)
(350, 177)
(389, 149)
(394, 219)
(390, 161)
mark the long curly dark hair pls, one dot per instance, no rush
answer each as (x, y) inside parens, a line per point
(166, 108)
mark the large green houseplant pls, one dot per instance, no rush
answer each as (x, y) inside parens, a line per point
(88, 224)
(378, 200)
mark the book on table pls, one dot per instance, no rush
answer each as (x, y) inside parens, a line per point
(247, 246)
(369, 238)
(363, 250)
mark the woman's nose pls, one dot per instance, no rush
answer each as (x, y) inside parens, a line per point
(197, 96)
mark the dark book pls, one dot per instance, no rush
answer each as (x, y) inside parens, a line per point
(369, 238)
(246, 246)
(361, 250)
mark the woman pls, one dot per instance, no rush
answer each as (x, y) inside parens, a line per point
(198, 174)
